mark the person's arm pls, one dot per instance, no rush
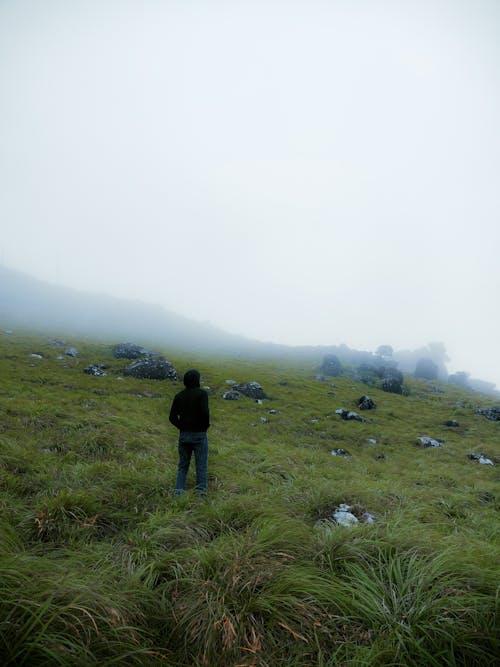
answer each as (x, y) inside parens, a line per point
(173, 417)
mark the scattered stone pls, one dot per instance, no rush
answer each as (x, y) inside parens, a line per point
(343, 517)
(424, 441)
(392, 381)
(71, 352)
(490, 413)
(451, 422)
(152, 369)
(380, 457)
(436, 390)
(372, 441)
(251, 390)
(130, 351)
(272, 412)
(283, 383)
(231, 382)
(35, 355)
(264, 420)
(481, 459)
(314, 420)
(96, 369)
(347, 516)
(340, 452)
(331, 394)
(349, 415)
(58, 343)
(366, 403)
(231, 396)
(258, 401)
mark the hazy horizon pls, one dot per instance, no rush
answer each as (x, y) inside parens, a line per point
(302, 173)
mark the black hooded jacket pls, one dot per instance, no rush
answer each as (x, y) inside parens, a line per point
(189, 411)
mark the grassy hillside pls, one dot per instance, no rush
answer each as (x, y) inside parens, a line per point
(101, 565)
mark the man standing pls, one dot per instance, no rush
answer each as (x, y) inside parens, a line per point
(189, 413)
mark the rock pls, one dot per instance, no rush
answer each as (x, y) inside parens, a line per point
(231, 395)
(366, 403)
(340, 452)
(424, 441)
(95, 369)
(372, 441)
(130, 351)
(426, 369)
(71, 352)
(264, 420)
(480, 459)
(490, 413)
(347, 516)
(283, 383)
(331, 365)
(58, 343)
(152, 369)
(8, 332)
(251, 390)
(343, 517)
(451, 422)
(272, 412)
(231, 382)
(35, 355)
(349, 415)
(392, 381)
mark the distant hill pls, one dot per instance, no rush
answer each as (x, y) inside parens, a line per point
(28, 302)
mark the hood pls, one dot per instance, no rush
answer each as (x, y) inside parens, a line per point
(191, 379)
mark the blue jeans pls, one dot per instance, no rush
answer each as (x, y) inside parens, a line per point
(190, 442)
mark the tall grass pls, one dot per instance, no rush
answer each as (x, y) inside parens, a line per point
(100, 564)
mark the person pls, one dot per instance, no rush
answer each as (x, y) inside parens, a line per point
(190, 414)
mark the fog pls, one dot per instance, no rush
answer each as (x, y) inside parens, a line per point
(298, 172)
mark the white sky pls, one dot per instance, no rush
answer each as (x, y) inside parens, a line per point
(303, 172)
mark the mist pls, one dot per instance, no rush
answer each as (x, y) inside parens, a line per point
(303, 173)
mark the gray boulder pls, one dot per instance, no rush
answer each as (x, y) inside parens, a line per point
(71, 352)
(481, 459)
(366, 403)
(490, 413)
(424, 441)
(452, 423)
(96, 369)
(231, 395)
(340, 452)
(331, 365)
(130, 351)
(152, 369)
(392, 381)
(251, 390)
(349, 415)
